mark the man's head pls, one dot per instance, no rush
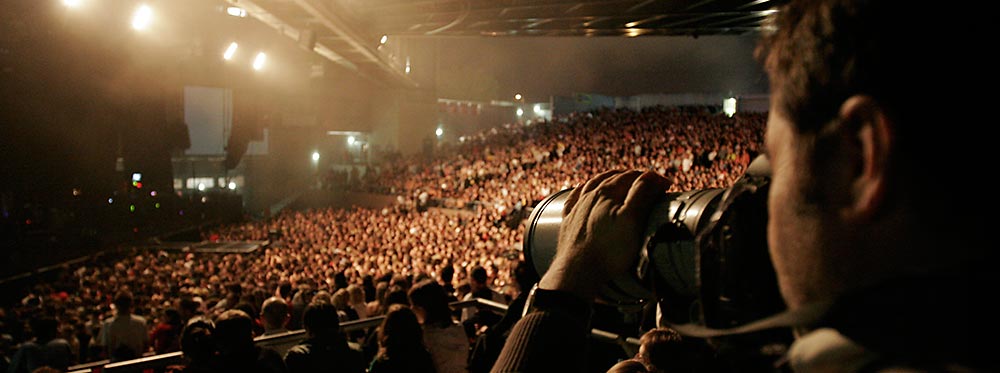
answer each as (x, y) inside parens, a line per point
(664, 350)
(233, 331)
(478, 278)
(447, 275)
(320, 319)
(285, 289)
(196, 340)
(274, 313)
(234, 290)
(430, 303)
(189, 308)
(123, 302)
(855, 138)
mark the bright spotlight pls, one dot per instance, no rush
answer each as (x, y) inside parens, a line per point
(72, 3)
(232, 185)
(236, 11)
(142, 17)
(228, 55)
(201, 186)
(258, 62)
(315, 157)
(384, 39)
(350, 140)
(439, 132)
(538, 109)
(520, 112)
(517, 96)
(729, 106)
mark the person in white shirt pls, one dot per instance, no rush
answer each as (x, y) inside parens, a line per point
(124, 336)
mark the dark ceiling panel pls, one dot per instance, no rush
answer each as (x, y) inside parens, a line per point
(357, 24)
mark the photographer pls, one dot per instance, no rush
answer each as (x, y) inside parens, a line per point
(854, 219)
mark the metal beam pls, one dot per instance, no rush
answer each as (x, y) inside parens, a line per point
(339, 27)
(267, 18)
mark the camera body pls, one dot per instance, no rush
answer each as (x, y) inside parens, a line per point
(704, 260)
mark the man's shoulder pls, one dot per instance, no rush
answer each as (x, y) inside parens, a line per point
(303, 348)
(136, 319)
(58, 343)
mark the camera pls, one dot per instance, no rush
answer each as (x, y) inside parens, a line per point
(704, 259)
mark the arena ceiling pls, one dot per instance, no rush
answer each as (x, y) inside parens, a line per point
(348, 32)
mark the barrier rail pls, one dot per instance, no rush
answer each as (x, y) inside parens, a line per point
(155, 363)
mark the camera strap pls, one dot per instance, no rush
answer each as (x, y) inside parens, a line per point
(805, 316)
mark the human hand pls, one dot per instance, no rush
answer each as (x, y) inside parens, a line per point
(602, 228)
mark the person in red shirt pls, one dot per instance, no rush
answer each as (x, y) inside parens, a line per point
(166, 335)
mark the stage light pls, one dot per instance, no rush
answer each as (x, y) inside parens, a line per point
(131, 208)
(258, 62)
(236, 11)
(111, 201)
(72, 3)
(729, 106)
(517, 96)
(520, 112)
(439, 132)
(315, 157)
(201, 187)
(142, 17)
(232, 185)
(136, 176)
(228, 55)
(538, 109)
(157, 205)
(384, 39)
(350, 140)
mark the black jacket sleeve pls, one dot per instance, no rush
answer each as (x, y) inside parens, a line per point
(547, 341)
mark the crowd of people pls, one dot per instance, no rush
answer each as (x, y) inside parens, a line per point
(519, 163)
(363, 260)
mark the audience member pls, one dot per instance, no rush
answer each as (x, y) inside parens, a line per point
(233, 336)
(443, 337)
(274, 315)
(124, 336)
(198, 346)
(167, 334)
(401, 345)
(325, 348)
(473, 319)
(46, 350)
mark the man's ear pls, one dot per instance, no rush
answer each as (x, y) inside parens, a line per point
(870, 130)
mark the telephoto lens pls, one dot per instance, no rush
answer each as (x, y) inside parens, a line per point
(704, 257)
